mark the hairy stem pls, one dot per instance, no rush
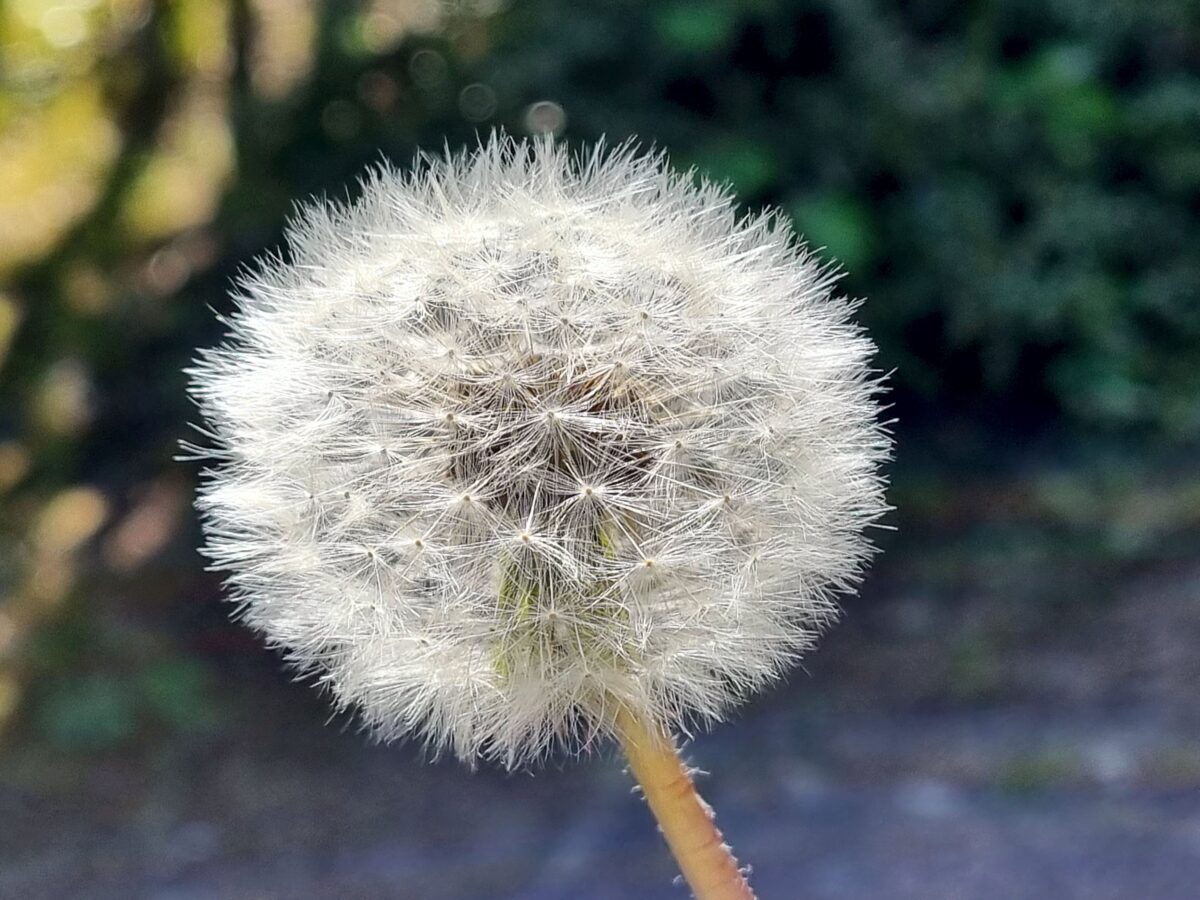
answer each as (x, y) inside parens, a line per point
(685, 820)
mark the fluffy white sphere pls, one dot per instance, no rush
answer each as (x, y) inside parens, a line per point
(519, 438)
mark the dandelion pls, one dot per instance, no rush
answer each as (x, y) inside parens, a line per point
(520, 451)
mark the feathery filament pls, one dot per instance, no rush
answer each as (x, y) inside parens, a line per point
(518, 438)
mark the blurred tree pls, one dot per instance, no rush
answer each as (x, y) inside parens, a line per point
(147, 149)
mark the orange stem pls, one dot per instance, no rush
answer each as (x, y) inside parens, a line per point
(685, 821)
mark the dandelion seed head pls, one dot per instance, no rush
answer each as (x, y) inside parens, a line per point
(519, 438)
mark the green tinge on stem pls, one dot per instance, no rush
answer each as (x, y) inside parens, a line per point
(592, 632)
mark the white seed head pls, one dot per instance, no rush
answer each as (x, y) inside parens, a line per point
(519, 438)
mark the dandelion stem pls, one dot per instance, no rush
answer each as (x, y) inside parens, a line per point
(684, 818)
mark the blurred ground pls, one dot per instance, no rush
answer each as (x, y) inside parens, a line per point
(970, 747)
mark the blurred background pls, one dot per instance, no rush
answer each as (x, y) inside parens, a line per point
(1010, 709)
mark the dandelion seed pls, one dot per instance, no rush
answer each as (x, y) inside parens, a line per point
(564, 444)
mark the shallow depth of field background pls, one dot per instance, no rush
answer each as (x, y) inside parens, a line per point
(1010, 709)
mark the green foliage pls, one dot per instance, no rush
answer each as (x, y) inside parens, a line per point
(845, 224)
(91, 712)
(695, 27)
(1014, 185)
(100, 711)
(175, 693)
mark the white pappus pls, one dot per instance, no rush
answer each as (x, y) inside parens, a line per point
(519, 437)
